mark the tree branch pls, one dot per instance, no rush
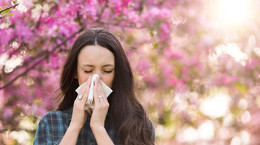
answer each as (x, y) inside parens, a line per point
(40, 60)
(40, 54)
(8, 8)
(102, 11)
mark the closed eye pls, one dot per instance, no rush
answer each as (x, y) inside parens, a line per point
(88, 71)
(108, 71)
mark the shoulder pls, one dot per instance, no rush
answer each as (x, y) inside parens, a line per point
(52, 127)
(56, 116)
(52, 114)
(153, 130)
(152, 124)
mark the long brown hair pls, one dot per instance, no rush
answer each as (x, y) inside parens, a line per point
(131, 122)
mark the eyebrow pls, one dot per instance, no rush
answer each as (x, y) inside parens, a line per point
(89, 65)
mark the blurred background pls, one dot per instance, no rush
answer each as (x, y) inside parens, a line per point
(196, 64)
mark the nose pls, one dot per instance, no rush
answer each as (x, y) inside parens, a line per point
(99, 73)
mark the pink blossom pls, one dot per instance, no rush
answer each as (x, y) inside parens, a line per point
(125, 3)
(9, 34)
(143, 66)
(36, 110)
(106, 15)
(251, 64)
(133, 17)
(150, 80)
(54, 61)
(168, 43)
(254, 121)
(185, 70)
(23, 31)
(8, 113)
(2, 99)
(117, 7)
(165, 30)
(174, 54)
(175, 82)
(225, 80)
(166, 67)
(154, 13)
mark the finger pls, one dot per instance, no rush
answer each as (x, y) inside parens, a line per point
(83, 89)
(101, 89)
(96, 94)
(101, 92)
(85, 96)
(103, 100)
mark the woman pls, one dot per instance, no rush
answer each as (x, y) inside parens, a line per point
(117, 119)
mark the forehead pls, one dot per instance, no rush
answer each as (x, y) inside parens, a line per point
(96, 55)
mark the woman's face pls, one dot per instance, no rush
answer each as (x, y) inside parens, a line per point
(94, 59)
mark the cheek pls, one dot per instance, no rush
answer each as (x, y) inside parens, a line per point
(109, 80)
(82, 77)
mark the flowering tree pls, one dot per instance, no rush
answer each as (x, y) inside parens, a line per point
(196, 65)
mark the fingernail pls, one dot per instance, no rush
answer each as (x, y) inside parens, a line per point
(80, 97)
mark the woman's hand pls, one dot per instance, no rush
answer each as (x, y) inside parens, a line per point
(79, 115)
(97, 122)
(101, 106)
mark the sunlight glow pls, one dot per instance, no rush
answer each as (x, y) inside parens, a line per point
(21, 136)
(234, 51)
(206, 130)
(228, 120)
(21, 7)
(164, 132)
(216, 105)
(10, 64)
(245, 137)
(231, 12)
(231, 49)
(36, 12)
(224, 133)
(4, 25)
(243, 104)
(257, 51)
(188, 134)
(246, 117)
(235, 141)
(27, 124)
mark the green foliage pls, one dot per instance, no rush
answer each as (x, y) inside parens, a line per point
(4, 12)
(241, 87)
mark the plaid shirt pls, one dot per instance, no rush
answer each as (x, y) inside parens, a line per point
(54, 124)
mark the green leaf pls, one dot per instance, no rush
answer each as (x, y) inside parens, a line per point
(10, 14)
(6, 11)
(155, 45)
(151, 33)
(241, 87)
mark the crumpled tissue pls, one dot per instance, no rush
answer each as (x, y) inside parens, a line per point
(90, 103)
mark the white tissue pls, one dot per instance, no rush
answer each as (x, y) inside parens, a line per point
(90, 104)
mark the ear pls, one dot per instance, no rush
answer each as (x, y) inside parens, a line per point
(75, 76)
